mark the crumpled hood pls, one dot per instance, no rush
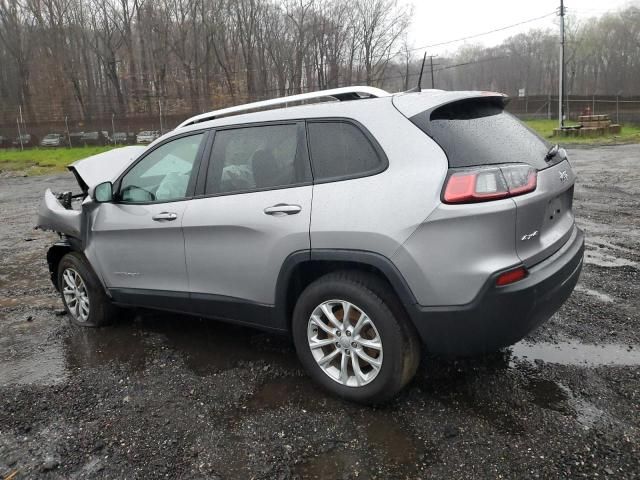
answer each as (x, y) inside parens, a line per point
(104, 167)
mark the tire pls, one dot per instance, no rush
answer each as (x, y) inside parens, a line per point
(99, 310)
(394, 342)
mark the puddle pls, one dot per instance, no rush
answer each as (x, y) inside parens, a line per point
(117, 343)
(27, 355)
(603, 297)
(43, 367)
(208, 346)
(32, 302)
(388, 438)
(549, 395)
(282, 391)
(327, 465)
(554, 396)
(575, 353)
(35, 352)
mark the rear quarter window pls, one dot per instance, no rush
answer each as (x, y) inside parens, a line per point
(340, 149)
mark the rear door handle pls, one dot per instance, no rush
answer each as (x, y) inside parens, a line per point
(283, 209)
(165, 217)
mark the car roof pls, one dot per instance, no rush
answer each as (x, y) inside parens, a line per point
(408, 103)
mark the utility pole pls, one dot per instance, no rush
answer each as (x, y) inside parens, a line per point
(433, 85)
(19, 133)
(561, 79)
(113, 129)
(24, 127)
(66, 125)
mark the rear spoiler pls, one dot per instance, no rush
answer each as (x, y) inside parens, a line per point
(410, 104)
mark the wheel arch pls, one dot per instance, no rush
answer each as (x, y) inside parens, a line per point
(55, 254)
(303, 267)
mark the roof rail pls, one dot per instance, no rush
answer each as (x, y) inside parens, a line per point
(341, 94)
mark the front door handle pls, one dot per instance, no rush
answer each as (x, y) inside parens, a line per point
(283, 209)
(165, 217)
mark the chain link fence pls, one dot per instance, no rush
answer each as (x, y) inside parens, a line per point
(622, 110)
(165, 117)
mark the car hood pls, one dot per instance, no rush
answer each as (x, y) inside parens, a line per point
(104, 167)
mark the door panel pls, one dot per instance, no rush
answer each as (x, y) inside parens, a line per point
(136, 251)
(137, 240)
(256, 213)
(236, 249)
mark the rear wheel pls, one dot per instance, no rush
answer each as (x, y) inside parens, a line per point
(353, 337)
(82, 294)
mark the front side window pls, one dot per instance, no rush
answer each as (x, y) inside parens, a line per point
(162, 175)
(254, 158)
(340, 149)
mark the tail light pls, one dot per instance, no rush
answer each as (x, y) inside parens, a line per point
(489, 183)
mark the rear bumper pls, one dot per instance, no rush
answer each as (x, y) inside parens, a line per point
(501, 316)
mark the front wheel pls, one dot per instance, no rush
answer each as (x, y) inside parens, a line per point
(354, 338)
(82, 294)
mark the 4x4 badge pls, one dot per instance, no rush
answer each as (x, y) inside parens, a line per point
(529, 236)
(564, 176)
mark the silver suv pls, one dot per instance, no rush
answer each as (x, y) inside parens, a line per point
(366, 227)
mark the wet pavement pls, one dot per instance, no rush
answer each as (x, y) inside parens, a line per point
(167, 396)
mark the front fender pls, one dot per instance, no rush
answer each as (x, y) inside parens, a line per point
(53, 216)
(54, 255)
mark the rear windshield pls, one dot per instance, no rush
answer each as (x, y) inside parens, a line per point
(479, 132)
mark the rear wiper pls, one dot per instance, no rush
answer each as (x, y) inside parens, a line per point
(553, 151)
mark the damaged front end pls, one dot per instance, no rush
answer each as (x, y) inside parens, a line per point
(56, 213)
(66, 213)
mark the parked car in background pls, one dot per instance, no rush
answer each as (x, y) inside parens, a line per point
(75, 139)
(367, 228)
(25, 140)
(53, 140)
(147, 136)
(124, 138)
(5, 142)
(94, 138)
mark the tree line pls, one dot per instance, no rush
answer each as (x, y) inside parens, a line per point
(96, 57)
(93, 58)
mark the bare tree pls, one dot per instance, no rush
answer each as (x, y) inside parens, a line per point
(382, 23)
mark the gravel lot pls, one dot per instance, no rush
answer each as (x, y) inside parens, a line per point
(168, 396)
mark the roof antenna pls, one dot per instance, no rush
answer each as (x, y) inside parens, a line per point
(418, 88)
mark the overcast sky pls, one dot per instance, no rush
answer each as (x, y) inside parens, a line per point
(437, 21)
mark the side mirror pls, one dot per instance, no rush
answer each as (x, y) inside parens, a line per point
(103, 192)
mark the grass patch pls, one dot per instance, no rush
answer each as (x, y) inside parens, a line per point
(630, 134)
(38, 161)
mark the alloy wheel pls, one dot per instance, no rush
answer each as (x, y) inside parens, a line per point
(75, 295)
(345, 343)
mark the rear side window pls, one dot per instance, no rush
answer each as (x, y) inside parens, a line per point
(341, 150)
(479, 132)
(255, 158)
